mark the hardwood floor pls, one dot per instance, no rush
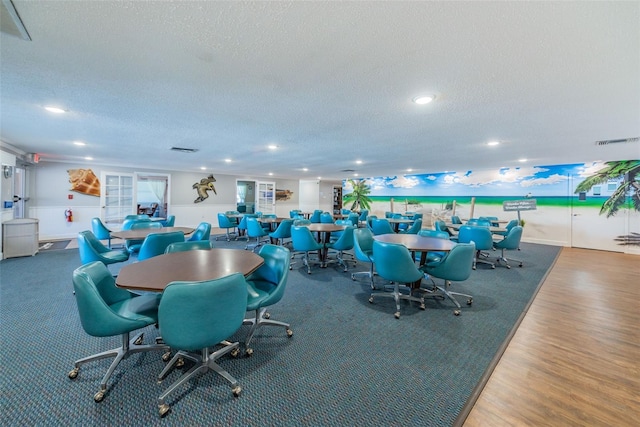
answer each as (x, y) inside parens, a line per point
(575, 359)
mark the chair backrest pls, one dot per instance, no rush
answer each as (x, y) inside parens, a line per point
(128, 222)
(370, 219)
(274, 271)
(511, 240)
(479, 235)
(364, 213)
(388, 214)
(254, 229)
(440, 225)
(95, 291)
(140, 216)
(99, 230)
(363, 244)
(90, 247)
(511, 224)
(455, 219)
(294, 212)
(353, 217)
(417, 215)
(196, 315)
(393, 262)
(302, 239)
(434, 233)
(284, 230)
(326, 218)
(316, 216)
(301, 222)
(381, 226)
(224, 221)
(455, 265)
(156, 243)
(479, 222)
(346, 240)
(415, 227)
(202, 232)
(189, 246)
(243, 222)
(345, 211)
(170, 221)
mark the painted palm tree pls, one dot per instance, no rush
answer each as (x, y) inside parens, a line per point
(359, 195)
(629, 171)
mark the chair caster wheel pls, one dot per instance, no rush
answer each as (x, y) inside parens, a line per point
(423, 307)
(493, 266)
(396, 314)
(509, 267)
(520, 265)
(163, 410)
(248, 352)
(456, 312)
(234, 353)
(139, 340)
(371, 300)
(99, 396)
(236, 391)
(179, 363)
(266, 316)
(470, 301)
(166, 357)
(73, 374)
(473, 267)
(289, 333)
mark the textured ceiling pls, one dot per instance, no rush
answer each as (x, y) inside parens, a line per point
(328, 82)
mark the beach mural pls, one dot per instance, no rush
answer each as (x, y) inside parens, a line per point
(594, 205)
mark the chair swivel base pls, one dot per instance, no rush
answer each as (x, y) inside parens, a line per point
(129, 347)
(261, 319)
(229, 235)
(397, 296)
(506, 260)
(206, 361)
(442, 292)
(477, 259)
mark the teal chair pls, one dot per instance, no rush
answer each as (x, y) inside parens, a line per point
(194, 317)
(303, 243)
(364, 213)
(282, 232)
(481, 237)
(266, 287)
(453, 267)
(326, 218)
(169, 222)
(363, 250)
(204, 245)
(354, 218)
(316, 216)
(156, 243)
(433, 256)
(91, 249)
(225, 222)
(255, 231)
(479, 222)
(202, 232)
(344, 243)
(242, 225)
(107, 311)
(139, 217)
(101, 231)
(508, 228)
(133, 245)
(510, 242)
(455, 219)
(381, 226)
(394, 263)
(294, 213)
(414, 228)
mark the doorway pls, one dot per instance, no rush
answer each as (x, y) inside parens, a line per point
(152, 194)
(245, 196)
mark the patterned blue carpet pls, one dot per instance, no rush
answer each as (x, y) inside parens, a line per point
(349, 362)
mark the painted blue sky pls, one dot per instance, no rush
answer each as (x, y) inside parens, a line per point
(533, 181)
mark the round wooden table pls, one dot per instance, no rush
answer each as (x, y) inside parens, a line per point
(154, 274)
(417, 243)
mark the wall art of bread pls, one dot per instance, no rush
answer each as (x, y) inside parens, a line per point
(84, 181)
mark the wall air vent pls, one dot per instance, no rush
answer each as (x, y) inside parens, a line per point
(184, 150)
(617, 141)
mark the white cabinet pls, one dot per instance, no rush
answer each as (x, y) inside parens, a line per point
(20, 237)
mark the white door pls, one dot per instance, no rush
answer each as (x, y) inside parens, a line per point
(266, 197)
(589, 229)
(116, 196)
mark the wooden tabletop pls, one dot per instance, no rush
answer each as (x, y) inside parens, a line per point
(323, 227)
(415, 242)
(457, 227)
(270, 220)
(154, 274)
(142, 233)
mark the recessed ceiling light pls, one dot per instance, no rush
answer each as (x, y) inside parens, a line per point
(79, 143)
(56, 110)
(492, 143)
(409, 170)
(358, 162)
(272, 147)
(270, 173)
(88, 158)
(522, 160)
(227, 160)
(203, 168)
(421, 100)
(305, 169)
(355, 174)
(319, 177)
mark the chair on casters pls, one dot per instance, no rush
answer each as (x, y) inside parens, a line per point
(344, 243)
(316, 216)
(326, 218)
(282, 232)
(169, 222)
(414, 228)
(203, 245)
(381, 226)
(105, 311)
(255, 231)
(92, 249)
(363, 250)
(481, 237)
(394, 263)
(202, 232)
(454, 267)
(510, 242)
(132, 245)
(226, 223)
(266, 287)
(156, 243)
(195, 317)
(303, 242)
(101, 231)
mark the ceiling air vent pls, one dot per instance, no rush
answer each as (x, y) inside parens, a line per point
(617, 141)
(184, 150)
(347, 170)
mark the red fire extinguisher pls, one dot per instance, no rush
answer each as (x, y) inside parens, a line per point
(69, 215)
